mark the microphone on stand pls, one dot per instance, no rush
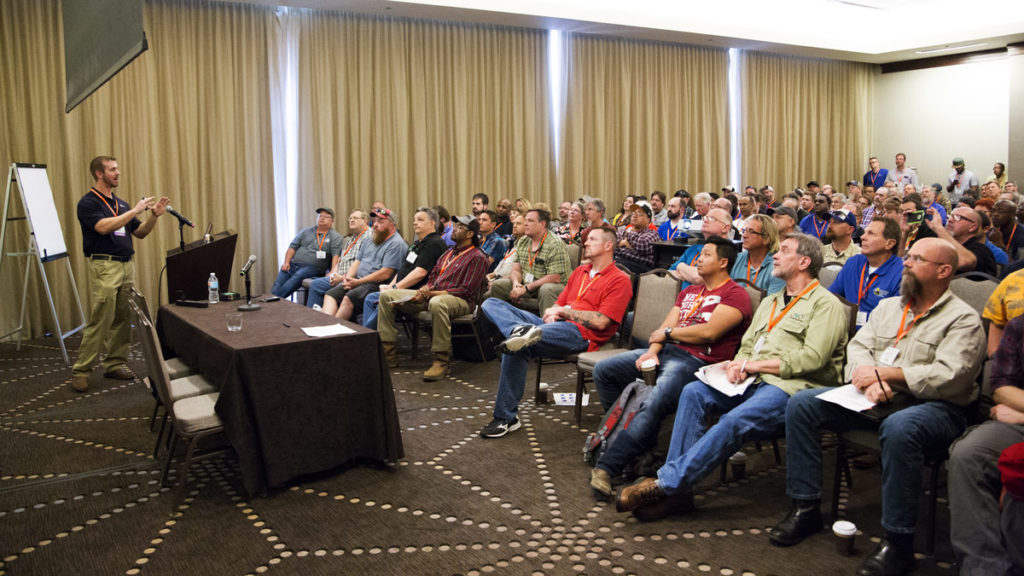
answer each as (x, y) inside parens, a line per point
(249, 306)
(182, 219)
(248, 265)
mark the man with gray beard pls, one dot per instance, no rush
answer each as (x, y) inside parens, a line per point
(917, 359)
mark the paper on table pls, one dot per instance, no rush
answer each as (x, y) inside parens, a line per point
(848, 397)
(714, 375)
(332, 330)
(569, 399)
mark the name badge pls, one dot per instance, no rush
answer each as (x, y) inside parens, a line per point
(321, 254)
(120, 232)
(759, 345)
(889, 356)
(862, 318)
(528, 278)
(411, 258)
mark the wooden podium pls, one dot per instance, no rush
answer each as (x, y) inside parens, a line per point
(188, 270)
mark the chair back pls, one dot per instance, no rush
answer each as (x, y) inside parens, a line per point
(140, 301)
(828, 273)
(575, 252)
(155, 365)
(974, 288)
(851, 312)
(756, 294)
(656, 294)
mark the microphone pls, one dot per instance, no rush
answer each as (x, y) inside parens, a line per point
(182, 219)
(248, 265)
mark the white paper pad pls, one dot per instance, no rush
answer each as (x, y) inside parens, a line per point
(714, 375)
(848, 397)
(569, 399)
(332, 330)
(403, 299)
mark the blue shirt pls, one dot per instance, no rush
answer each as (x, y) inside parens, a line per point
(941, 210)
(689, 257)
(998, 253)
(878, 180)
(882, 283)
(669, 233)
(762, 277)
(807, 226)
(388, 254)
(446, 235)
(494, 246)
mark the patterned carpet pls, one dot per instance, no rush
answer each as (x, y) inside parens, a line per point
(79, 493)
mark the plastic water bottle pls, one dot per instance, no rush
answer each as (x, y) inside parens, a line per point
(214, 287)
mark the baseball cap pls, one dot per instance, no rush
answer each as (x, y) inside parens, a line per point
(328, 210)
(845, 216)
(642, 205)
(853, 183)
(813, 184)
(728, 189)
(384, 213)
(469, 222)
(958, 161)
(787, 211)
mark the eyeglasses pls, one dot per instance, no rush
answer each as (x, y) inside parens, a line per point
(958, 217)
(749, 230)
(917, 259)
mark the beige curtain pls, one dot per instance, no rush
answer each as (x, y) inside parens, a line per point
(804, 119)
(419, 113)
(643, 116)
(189, 119)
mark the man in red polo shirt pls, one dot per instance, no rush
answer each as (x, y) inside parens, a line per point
(586, 315)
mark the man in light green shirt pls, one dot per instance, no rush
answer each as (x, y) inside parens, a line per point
(541, 265)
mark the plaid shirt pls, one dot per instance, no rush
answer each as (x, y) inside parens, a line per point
(460, 274)
(641, 245)
(550, 259)
(869, 215)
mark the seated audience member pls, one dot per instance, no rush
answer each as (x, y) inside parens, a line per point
(768, 203)
(746, 206)
(314, 251)
(999, 175)
(806, 204)
(593, 211)
(755, 263)
(635, 248)
(891, 208)
(586, 314)
(504, 268)
(704, 326)
(974, 481)
(786, 219)
(673, 226)
(983, 236)
(928, 200)
(503, 209)
(816, 223)
(1005, 304)
(796, 340)
(726, 204)
(563, 212)
(375, 264)
(418, 263)
(838, 201)
(540, 268)
(660, 213)
(924, 347)
(622, 218)
(1004, 217)
(991, 190)
(446, 225)
(492, 245)
(480, 202)
(358, 225)
(912, 232)
(451, 291)
(962, 232)
(572, 229)
(840, 231)
(874, 274)
(716, 223)
(687, 204)
(701, 205)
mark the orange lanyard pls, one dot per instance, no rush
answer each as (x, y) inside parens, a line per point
(695, 257)
(749, 267)
(1009, 243)
(319, 240)
(586, 286)
(452, 258)
(903, 331)
(772, 320)
(115, 209)
(910, 239)
(673, 232)
(511, 253)
(533, 255)
(819, 231)
(352, 243)
(861, 289)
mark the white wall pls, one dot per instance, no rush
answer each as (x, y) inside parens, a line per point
(936, 114)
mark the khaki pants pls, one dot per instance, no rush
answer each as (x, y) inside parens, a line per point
(546, 295)
(109, 325)
(442, 310)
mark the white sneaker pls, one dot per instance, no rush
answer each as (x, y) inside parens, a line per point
(521, 337)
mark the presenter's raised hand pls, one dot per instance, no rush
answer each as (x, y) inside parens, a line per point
(144, 204)
(161, 205)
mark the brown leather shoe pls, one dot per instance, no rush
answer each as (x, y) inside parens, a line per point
(80, 382)
(122, 372)
(643, 492)
(668, 506)
(440, 368)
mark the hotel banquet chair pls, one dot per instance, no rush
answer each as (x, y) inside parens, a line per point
(191, 412)
(828, 274)
(974, 288)
(175, 367)
(423, 318)
(656, 294)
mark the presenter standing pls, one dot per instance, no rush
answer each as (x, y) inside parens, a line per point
(108, 224)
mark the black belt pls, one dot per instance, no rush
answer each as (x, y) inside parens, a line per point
(111, 258)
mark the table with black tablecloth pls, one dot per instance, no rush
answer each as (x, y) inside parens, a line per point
(291, 404)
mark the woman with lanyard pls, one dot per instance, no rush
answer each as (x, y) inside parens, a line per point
(754, 264)
(572, 230)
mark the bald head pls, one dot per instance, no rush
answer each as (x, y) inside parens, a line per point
(939, 251)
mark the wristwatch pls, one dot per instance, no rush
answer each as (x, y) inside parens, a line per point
(668, 333)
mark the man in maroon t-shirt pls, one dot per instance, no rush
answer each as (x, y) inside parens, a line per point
(705, 326)
(586, 314)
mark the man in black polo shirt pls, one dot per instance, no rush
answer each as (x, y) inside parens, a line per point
(108, 224)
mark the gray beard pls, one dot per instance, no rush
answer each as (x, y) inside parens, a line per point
(910, 288)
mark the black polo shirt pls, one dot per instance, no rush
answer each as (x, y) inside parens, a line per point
(423, 254)
(986, 261)
(92, 208)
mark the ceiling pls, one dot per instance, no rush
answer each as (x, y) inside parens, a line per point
(876, 31)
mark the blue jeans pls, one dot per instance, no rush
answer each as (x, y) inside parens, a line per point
(317, 289)
(906, 437)
(290, 281)
(696, 450)
(370, 304)
(558, 339)
(612, 375)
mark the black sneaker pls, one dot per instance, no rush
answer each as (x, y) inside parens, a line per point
(499, 427)
(520, 337)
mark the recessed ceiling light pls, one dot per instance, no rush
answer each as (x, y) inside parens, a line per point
(948, 48)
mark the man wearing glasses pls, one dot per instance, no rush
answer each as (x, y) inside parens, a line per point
(962, 231)
(716, 223)
(816, 223)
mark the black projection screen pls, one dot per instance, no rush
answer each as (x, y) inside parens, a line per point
(100, 38)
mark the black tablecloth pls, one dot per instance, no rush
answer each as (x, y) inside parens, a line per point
(291, 404)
